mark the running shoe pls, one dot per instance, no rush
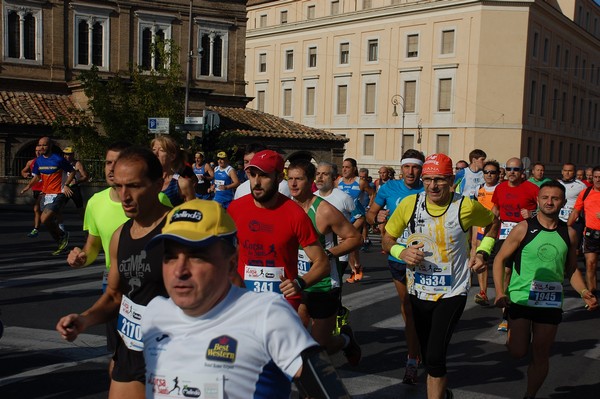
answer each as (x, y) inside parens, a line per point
(410, 374)
(482, 299)
(341, 319)
(352, 352)
(34, 233)
(62, 244)
(503, 326)
(358, 275)
(366, 245)
(351, 279)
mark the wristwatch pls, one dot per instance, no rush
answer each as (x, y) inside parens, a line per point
(485, 255)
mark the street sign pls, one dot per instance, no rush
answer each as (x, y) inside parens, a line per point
(158, 125)
(189, 127)
(194, 120)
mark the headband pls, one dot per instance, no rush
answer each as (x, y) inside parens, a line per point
(411, 160)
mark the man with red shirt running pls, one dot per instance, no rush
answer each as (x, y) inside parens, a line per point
(270, 228)
(514, 199)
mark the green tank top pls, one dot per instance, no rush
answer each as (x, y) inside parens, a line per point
(326, 241)
(539, 268)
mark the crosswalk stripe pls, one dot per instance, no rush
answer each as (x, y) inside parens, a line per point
(65, 274)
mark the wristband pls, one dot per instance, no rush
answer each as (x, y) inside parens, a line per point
(301, 283)
(485, 255)
(396, 250)
(329, 254)
(583, 291)
(487, 245)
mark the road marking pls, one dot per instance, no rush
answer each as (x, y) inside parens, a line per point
(87, 348)
(65, 274)
(369, 296)
(92, 285)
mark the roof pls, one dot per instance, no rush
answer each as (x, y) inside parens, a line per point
(35, 109)
(254, 123)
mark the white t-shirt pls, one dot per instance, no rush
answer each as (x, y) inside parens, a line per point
(248, 346)
(572, 190)
(344, 203)
(244, 189)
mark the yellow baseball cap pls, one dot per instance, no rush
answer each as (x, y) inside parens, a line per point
(221, 154)
(197, 223)
(68, 150)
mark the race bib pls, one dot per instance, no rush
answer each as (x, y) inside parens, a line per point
(49, 198)
(545, 295)
(432, 282)
(104, 280)
(128, 326)
(565, 212)
(219, 184)
(505, 229)
(178, 385)
(303, 263)
(263, 278)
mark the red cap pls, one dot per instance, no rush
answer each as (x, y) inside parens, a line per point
(437, 164)
(267, 161)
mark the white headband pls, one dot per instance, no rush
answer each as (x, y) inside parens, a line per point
(411, 160)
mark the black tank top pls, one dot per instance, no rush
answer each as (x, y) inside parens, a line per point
(140, 271)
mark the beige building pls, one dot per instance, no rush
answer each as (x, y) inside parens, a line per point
(514, 78)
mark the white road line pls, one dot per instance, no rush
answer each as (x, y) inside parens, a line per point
(87, 348)
(65, 274)
(92, 285)
(369, 296)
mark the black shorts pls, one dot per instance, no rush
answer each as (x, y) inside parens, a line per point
(398, 270)
(77, 197)
(322, 305)
(112, 336)
(36, 194)
(591, 241)
(536, 315)
(129, 365)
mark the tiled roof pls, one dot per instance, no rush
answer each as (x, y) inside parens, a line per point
(37, 109)
(254, 123)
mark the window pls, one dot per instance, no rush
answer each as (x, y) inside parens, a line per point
(262, 62)
(262, 21)
(560, 152)
(546, 49)
(312, 57)
(563, 106)
(442, 143)
(369, 145)
(367, 4)
(23, 33)
(260, 100)
(410, 94)
(539, 150)
(335, 7)
(536, 39)
(543, 101)
(583, 69)
(373, 49)
(213, 51)
(445, 95)
(310, 101)
(344, 53)
(310, 12)
(566, 63)
(287, 102)
(557, 57)
(370, 97)
(412, 46)
(551, 154)
(532, 97)
(576, 66)
(408, 141)
(91, 41)
(289, 60)
(447, 42)
(283, 17)
(342, 100)
(555, 101)
(573, 109)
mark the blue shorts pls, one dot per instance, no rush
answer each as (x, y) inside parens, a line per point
(398, 270)
(53, 202)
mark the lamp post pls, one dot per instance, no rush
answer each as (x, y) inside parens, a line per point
(395, 102)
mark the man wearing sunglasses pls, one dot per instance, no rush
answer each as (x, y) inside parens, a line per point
(514, 200)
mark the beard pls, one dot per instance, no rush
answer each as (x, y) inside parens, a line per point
(267, 194)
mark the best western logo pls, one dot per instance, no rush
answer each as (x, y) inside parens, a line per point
(222, 349)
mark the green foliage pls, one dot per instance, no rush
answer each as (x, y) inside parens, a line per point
(86, 140)
(122, 105)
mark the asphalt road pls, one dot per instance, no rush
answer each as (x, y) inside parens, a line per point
(36, 289)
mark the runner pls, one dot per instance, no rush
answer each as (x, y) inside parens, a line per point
(321, 302)
(544, 251)
(225, 180)
(386, 201)
(37, 191)
(136, 277)
(81, 176)
(270, 229)
(244, 188)
(438, 223)
(212, 340)
(537, 174)
(468, 180)
(572, 187)
(176, 188)
(491, 175)
(514, 200)
(205, 174)
(49, 169)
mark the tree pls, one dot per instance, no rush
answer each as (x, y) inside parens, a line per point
(122, 105)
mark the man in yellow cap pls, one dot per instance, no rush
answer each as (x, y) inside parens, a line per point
(211, 335)
(437, 257)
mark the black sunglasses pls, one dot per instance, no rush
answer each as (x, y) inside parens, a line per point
(490, 172)
(514, 169)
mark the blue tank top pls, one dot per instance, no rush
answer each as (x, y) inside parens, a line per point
(172, 191)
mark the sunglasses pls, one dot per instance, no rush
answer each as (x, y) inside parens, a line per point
(490, 172)
(514, 169)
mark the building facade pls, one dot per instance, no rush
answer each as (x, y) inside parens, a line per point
(514, 78)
